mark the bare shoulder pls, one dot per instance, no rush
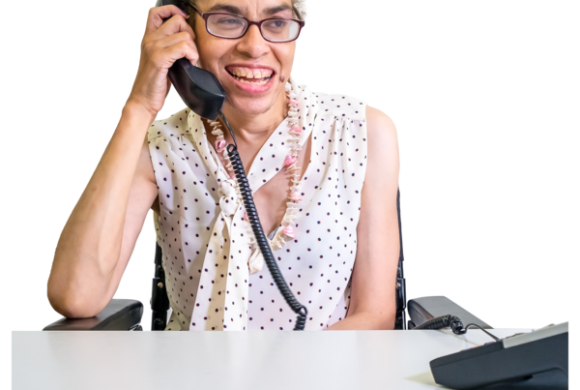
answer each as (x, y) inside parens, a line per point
(383, 148)
(380, 127)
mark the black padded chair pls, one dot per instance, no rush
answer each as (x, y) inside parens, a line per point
(125, 314)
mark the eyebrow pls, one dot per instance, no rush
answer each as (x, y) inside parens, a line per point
(236, 10)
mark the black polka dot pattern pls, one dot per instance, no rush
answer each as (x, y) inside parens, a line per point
(204, 239)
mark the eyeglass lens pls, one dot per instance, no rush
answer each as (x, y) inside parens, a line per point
(230, 26)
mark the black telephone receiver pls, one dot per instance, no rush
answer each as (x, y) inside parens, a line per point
(203, 94)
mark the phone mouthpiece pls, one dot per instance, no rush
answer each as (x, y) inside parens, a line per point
(199, 89)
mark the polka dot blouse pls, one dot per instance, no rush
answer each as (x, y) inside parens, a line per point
(205, 240)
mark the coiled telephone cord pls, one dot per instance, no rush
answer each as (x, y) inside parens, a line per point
(261, 239)
(436, 323)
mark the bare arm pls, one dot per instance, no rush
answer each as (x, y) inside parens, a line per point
(372, 301)
(97, 240)
(359, 321)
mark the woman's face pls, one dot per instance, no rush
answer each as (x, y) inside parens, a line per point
(232, 60)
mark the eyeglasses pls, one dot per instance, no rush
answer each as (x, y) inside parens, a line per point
(230, 26)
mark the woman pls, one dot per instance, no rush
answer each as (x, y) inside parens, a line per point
(323, 169)
(309, 194)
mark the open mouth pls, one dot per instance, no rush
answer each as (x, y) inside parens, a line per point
(259, 81)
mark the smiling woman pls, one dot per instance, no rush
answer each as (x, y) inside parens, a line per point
(324, 172)
(323, 169)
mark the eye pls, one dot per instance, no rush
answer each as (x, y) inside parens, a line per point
(229, 21)
(276, 23)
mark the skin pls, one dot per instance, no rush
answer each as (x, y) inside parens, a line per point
(253, 117)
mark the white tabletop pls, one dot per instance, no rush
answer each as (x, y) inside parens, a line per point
(328, 360)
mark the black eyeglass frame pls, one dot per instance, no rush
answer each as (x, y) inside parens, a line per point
(205, 17)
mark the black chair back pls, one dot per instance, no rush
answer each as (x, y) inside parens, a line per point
(401, 291)
(159, 299)
(160, 302)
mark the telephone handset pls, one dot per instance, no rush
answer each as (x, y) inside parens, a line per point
(203, 94)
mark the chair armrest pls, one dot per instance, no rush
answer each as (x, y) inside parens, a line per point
(119, 314)
(426, 308)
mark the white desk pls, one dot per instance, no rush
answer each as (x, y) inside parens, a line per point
(328, 360)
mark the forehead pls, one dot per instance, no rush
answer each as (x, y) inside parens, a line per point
(246, 6)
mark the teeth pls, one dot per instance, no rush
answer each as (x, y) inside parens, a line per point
(257, 82)
(251, 74)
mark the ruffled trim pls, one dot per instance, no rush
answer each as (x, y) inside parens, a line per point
(286, 233)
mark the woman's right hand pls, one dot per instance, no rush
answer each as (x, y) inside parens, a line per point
(162, 44)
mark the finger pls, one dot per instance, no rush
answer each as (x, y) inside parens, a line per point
(158, 14)
(185, 50)
(174, 25)
(175, 40)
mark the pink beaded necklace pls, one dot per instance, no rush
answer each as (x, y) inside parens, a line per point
(287, 233)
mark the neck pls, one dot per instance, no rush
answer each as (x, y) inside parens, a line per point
(252, 130)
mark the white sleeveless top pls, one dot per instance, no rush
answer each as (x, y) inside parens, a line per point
(205, 240)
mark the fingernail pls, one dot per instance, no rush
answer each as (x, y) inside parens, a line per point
(184, 13)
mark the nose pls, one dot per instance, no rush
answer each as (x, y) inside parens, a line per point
(253, 33)
(252, 42)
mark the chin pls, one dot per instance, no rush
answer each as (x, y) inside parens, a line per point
(251, 105)
(254, 103)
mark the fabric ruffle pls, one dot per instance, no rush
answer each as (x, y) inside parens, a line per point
(286, 233)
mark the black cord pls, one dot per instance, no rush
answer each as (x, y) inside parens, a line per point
(449, 321)
(436, 323)
(261, 239)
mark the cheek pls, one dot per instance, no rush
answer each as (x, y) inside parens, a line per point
(286, 56)
(209, 47)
